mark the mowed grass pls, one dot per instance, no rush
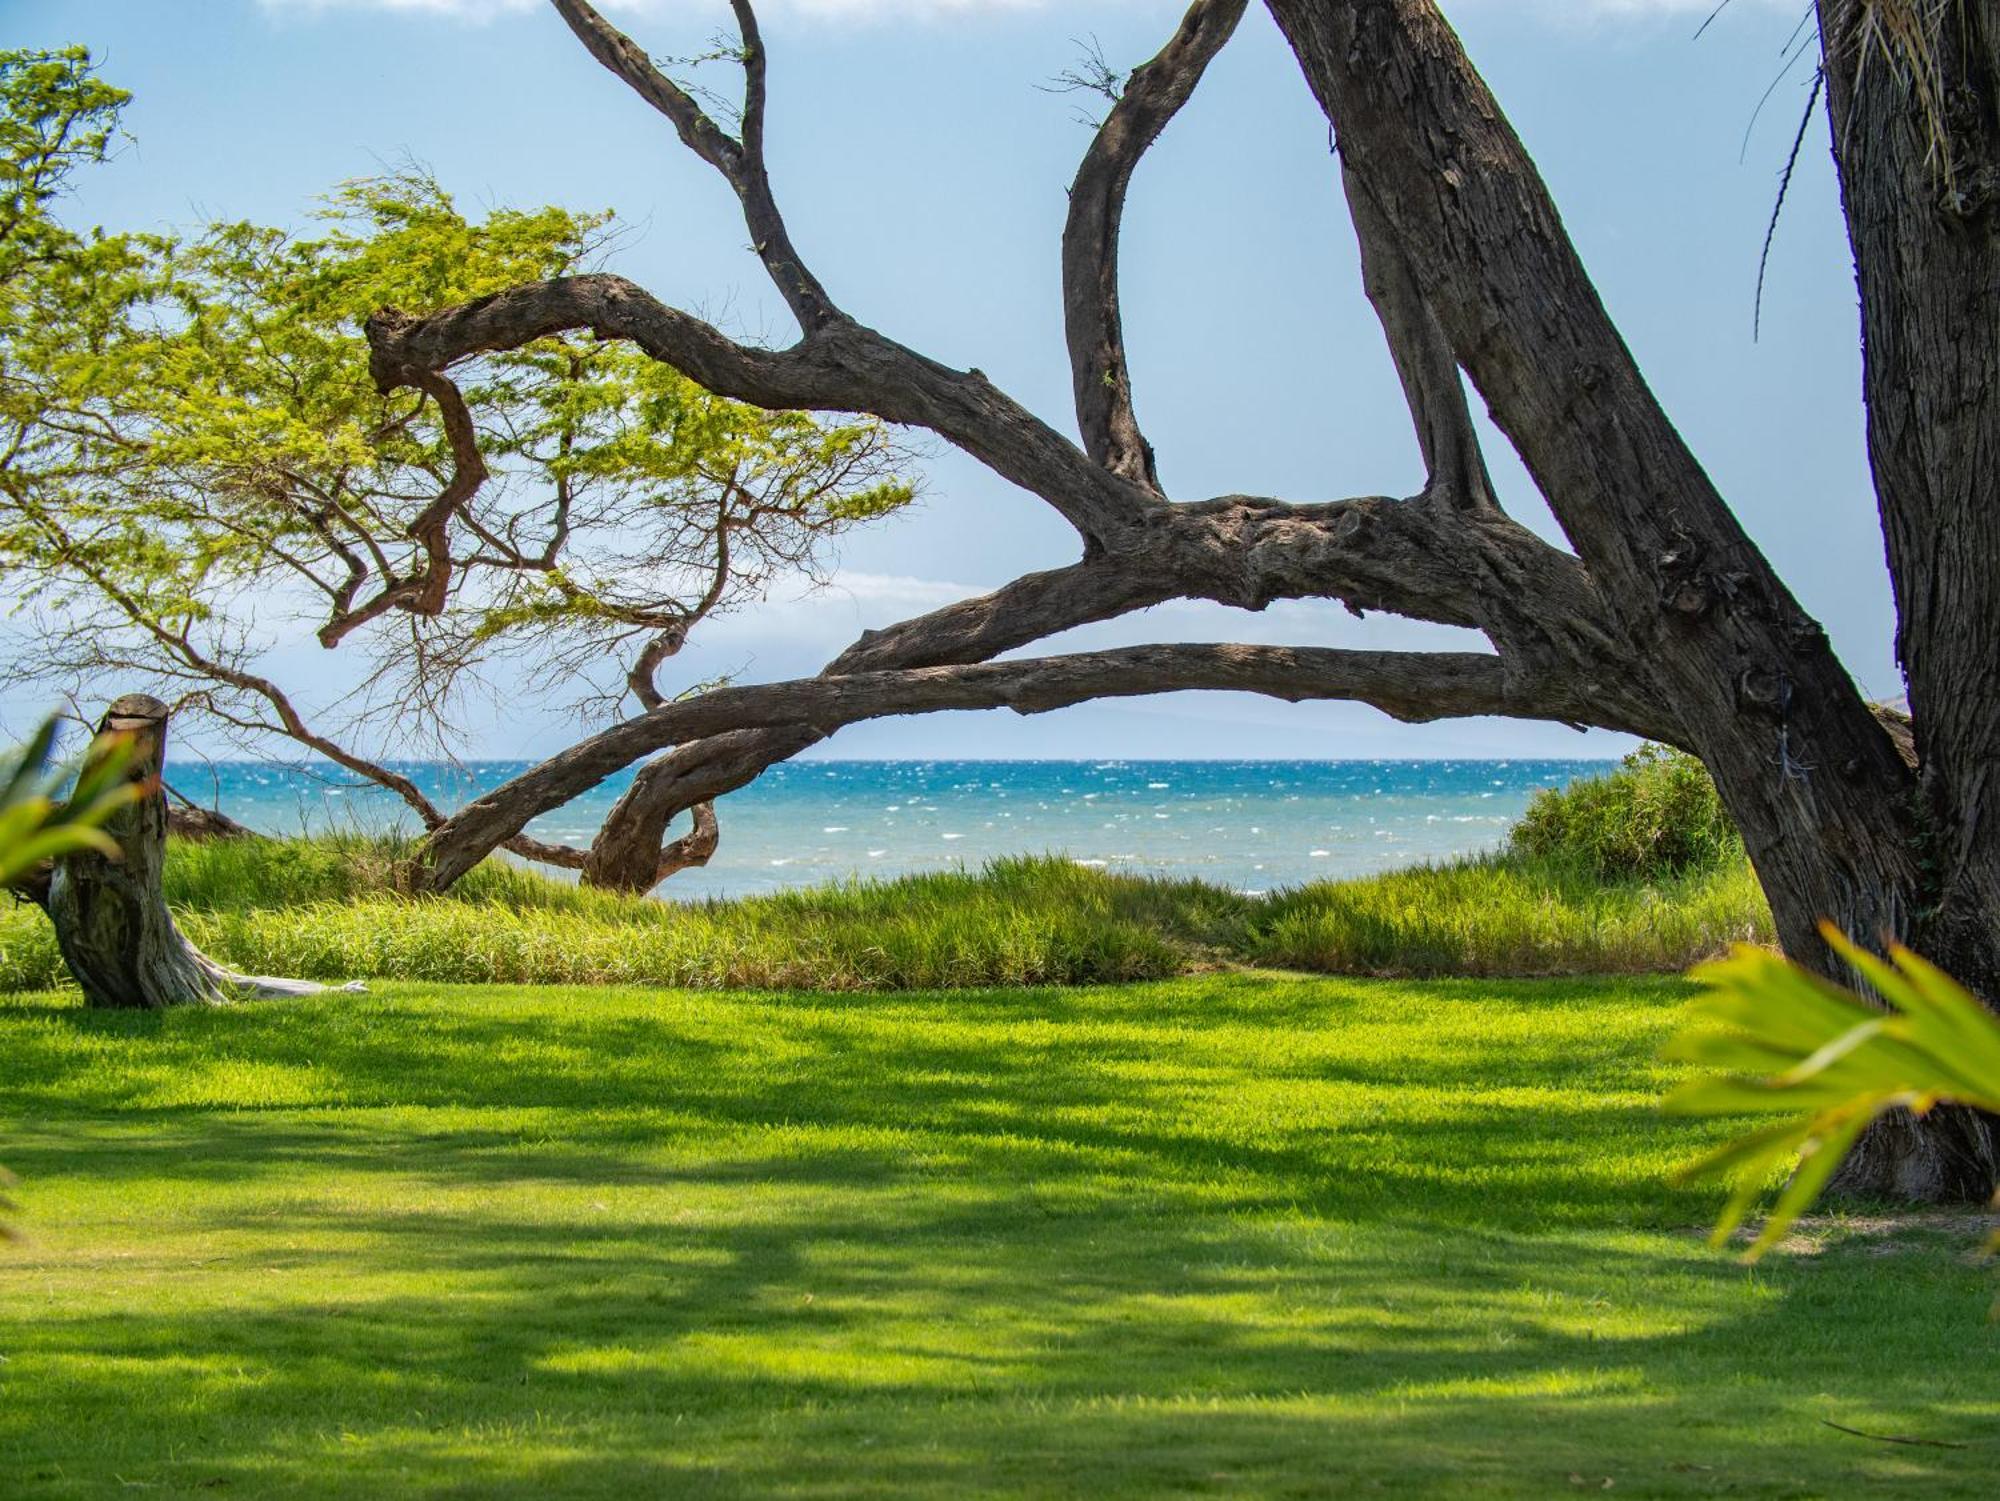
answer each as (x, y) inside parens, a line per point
(1242, 1235)
(320, 909)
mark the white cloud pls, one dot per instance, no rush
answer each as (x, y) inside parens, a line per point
(898, 589)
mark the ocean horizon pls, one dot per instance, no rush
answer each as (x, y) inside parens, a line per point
(1250, 825)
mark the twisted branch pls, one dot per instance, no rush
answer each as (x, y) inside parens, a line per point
(1410, 686)
(1152, 96)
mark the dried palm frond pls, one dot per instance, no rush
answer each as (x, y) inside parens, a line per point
(1907, 37)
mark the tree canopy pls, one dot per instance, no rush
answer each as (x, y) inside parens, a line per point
(199, 462)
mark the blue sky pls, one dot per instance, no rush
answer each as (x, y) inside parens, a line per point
(923, 175)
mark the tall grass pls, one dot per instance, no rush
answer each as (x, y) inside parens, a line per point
(323, 909)
(1511, 915)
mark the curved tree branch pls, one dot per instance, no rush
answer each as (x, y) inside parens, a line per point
(973, 630)
(425, 591)
(1411, 686)
(1454, 467)
(1099, 371)
(841, 367)
(741, 162)
(694, 848)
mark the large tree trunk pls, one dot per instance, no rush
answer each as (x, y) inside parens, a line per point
(1829, 810)
(1917, 143)
(1916, 135)
(111, 917)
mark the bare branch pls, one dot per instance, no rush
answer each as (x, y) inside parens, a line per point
(1455, 468)
(843, 367)
(741, 162)
(694, 848)
(562, 856)
(1090, 74)
(1152, 96)
(1411, 686)
(425, 591)
(972, 630)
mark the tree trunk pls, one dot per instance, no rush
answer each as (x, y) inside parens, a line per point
(1833, 817)
(631, 852)
(1917, 143)
(1916, 136)
(111, 917)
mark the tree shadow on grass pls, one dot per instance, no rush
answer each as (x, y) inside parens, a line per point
(1107, 1083)
(789, 1249)
(1074, 1123)
(881, 1344)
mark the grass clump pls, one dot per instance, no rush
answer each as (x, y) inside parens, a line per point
(1657, 816)
(1510, 915)
(325, 909)
(1239, 1235)
(322, 909)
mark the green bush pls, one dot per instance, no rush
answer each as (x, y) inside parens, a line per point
(1657, 815)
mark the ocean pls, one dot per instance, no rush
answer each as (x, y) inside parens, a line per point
(1254, 826)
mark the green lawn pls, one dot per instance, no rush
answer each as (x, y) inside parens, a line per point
(1247, 1235)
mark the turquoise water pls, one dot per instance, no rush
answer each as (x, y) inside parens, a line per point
(1250, 825)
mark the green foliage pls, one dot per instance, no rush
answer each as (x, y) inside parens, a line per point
(1791, 1044)
(55, 116)
(196, 465)
(1657, 815)
(1233, 1236)
(313, 908)
(40, 820)
(1510, 915)
(325, 909)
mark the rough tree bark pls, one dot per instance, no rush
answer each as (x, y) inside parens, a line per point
(1661, 617)
(1917, 145)
(110, 915)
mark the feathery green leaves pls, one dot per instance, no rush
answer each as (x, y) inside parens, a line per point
(1789, 1043)
(39, 821)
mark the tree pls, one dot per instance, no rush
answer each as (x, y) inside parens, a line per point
(195, 459)
(107, 904)
(1660, 618)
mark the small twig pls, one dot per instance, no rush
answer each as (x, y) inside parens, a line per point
(1090, 74)
(1895, 1438)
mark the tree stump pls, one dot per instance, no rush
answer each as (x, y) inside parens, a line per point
(110, 914)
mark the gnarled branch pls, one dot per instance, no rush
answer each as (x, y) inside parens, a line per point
(1411, 686)
(425, 591)
(842, 367)
(740, 161)
(1454, 468)
(1099, 371)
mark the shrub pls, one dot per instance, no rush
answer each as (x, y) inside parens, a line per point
(1658, 815)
